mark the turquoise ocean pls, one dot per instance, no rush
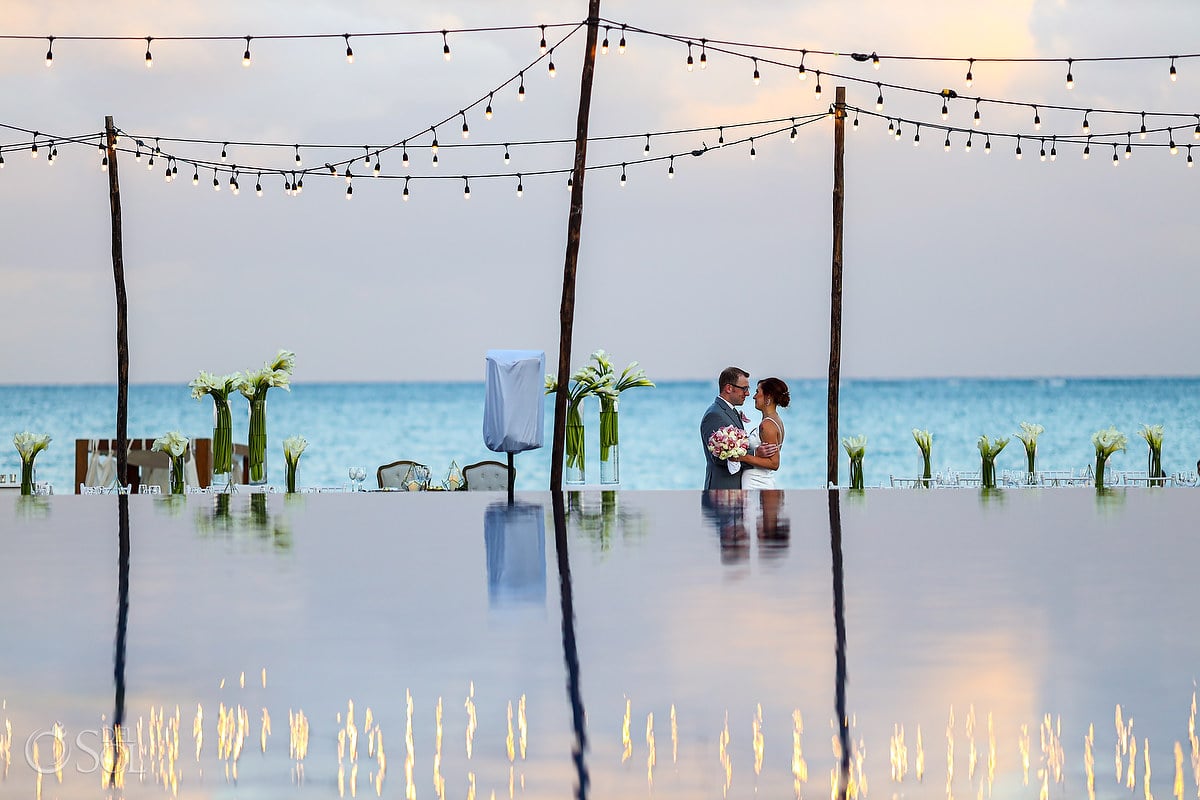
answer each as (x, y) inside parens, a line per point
(436, 423)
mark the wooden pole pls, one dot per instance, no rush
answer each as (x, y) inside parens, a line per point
(835, 288)
(114, 203)
(566, 314)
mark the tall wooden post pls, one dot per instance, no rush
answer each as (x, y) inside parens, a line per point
(835, 288)
(566, 314)
(114, 203)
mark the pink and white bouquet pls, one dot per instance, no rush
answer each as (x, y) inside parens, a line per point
(728, 442)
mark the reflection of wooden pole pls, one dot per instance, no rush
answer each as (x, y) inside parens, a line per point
(114, 202)
(839, 624)
(119, 642)
(566, 314)
(570, 648)
(835, 289)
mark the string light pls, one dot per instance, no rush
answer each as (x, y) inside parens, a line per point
(434, 146)
(703, 55)
(690, 62)
(756, 76)
(233, 183)
(1042, 152)
(976, 119)
(350, 192)
(404, 196)
(898, 131)
(987, 144)
(520, 187)
(550, 68)
(879, 99)
(720, 136)
(168, 176)
(1173, 147)
(258, 185)
(1142, 132)
(378, 167)
(671, 168)
(891, 128)
(1173, 74)
(1116, 162)
(521, 88)
(1086, 127)
(817, 88)
(945, 110)
(404, 154)
(33, 150)
(195, 174)
(801, 73)
(967, 146)
(466, 131)
(506, 155)
(53, 153)
(487, 112)
(917, 136)
(874, 60)
(855, 126)
(1070, 77)
(466, 188)
(50, 52)
(287, 184)
(298, 160)
(792, 136)
(1037, 120)
(570, 183)
(753, 154)
(445, 46)
(149, 58)
(1190, 163)
(646, 149)
(246, 55)
(1196, 133)
(946, 144)
(542, 43)
(1087, 149)
(621, 45)
(224, 151)
(622, 181)
(104, 158)
(970, 79)
(297, 184)
(349, 49)
(216, 183)
(1128, 146)
(1018, 153)
(604, 44)
(1053, 148)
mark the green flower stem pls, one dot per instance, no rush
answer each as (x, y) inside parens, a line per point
(1156, 470)
(987, 472)
(1101, 460)
(291, 474)
(609, 436)
(178, 484)
(27, 477)
(1030, 460)
(222, 437)
(258, 437)
(927, 471)
(574, 443)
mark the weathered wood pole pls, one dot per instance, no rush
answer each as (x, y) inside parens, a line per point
(566, 314)
(835, 288)
(114, 203)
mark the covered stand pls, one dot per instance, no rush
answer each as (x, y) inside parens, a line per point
(514, 409)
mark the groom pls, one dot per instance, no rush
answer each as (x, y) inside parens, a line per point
(734, 387)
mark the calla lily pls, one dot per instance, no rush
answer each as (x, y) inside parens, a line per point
(924, 440)
(1153, 434)
(293, 447)
(1106, 442)
(173, 444)
(855, 446)
(30, 444)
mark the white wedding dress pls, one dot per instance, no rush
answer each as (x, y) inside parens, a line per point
(758, 477)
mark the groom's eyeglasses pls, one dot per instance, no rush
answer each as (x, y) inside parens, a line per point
(744, 389)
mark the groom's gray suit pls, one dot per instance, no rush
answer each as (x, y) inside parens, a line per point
(716, 473)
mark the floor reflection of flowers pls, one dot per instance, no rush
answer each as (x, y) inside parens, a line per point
(251, 521)
(603, 523)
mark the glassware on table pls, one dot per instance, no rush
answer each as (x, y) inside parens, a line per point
(357, 476)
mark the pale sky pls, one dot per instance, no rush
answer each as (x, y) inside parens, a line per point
(956, 264)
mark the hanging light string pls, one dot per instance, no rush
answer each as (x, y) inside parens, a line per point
(442, 32)
(877, 58)
(802, 69)
(1128, 141)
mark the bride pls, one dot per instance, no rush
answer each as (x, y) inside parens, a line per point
(758, 472)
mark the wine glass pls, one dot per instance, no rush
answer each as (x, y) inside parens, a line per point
(353, 475)
(360, 475)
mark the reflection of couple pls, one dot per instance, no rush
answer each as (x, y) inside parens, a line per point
(756, 469)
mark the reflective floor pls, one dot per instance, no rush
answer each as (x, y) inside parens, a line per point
(667, 644)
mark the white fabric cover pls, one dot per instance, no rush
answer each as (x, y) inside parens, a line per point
(516, 553)
(513, 409)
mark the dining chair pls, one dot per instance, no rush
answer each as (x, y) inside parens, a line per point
(399, 474)
(487, 476)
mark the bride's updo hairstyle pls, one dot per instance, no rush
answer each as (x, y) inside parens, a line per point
(777, 390)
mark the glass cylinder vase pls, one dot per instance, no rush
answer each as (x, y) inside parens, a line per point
(178, 479)
(610, 447)
(222, 443)
(574, 447)
(257, 439)
(290, 474)
(27, 477)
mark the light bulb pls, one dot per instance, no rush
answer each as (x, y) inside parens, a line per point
(349, 49)
(246, 55)
(690, 61)
(1070, 77)
(1042, 151)
(1087, 149)
(258, 185)
(753, 154)
(33, 150)
(378, 167)
(1173, 73)
(195, 177)
(970, 79)
(720, 137)
(466, 131)
(671, 169)
(1087, 129)
(350, 192)
(917, 137)
(1173, 147)
(1037, 120)
(621, 44)
(976, 119)
(1190, 163)
(216, 183)
(297, 185)
(550, 67)
(520, 187)
(946, 144)
(570, 183)
(506, 155)
(298, 161)
(404, 155)
(224, 152)
(434, 146)
(703, 56)
(487, 112)
(802, 73)
(332, 169)
(1116, 161)
(604, 45)
(898, 131)
(50, 52)
(646, 149)
(945, 110)
(875, 61)
(466, 189)
(404, 196)
(756, 76)
(1196, 133)
(521, 88)
(1128, 147)
(348, 175)
(794, 133)
(1142, 132)
(987, 146)
(445, 46)
(817, 88)
(149, 58)
(855, 126)
(879, 99)
(1053, 150)
(542, 43)
(103, 163)
(891, 127)
(967, 146)
(167, 176)
(1018, 153)
(622, 181)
